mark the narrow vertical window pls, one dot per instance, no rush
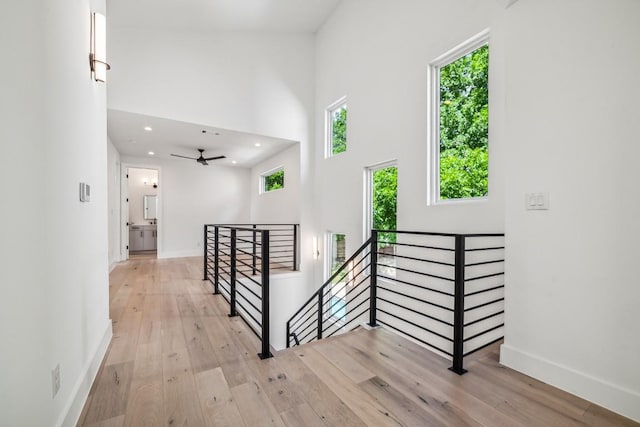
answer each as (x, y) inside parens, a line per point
(273, 180)
(336, 251)
(460, 122)
(336, 133)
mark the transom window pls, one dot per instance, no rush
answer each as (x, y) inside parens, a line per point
(272, 180)
(336, 132)
(459, 84)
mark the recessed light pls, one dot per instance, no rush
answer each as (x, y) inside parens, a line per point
(257, 144)
(148, 128)
(234, 162)
(151, 153)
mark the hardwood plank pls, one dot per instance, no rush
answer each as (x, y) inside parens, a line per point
(369, 411)
(255, 408)
(111, 394)
(179, 392)
(172, 335)
(216, 401)
(111, 422)
(201, 352)
(302, 415)
(347, 364)
(282, 392)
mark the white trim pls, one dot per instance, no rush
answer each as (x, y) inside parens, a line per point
(180, 254)
(263, 177)
(433, 114)
(611, 396)
(73, 409)
(328, 126)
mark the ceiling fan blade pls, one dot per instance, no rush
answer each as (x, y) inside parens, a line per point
(216, 158)
(204, 162)
(184, 157)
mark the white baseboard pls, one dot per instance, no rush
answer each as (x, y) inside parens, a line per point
(80, 392)
(618, 399)
(180, 254)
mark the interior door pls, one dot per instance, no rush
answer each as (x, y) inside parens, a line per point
(124, 213)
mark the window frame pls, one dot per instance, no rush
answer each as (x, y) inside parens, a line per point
(265, 175)
(328, 267)
(328, 118)
(433, 78)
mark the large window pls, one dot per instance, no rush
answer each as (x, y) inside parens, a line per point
(460, 122)
(336, 132)
(273, 180)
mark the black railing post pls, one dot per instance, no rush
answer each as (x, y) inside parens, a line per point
(373, 280)
(266, 351)
(232, 300)
(205, 244)
(295, 247)
(320, 314)
(458, 307)
(216, 263)
(254, 250)
(288, 334)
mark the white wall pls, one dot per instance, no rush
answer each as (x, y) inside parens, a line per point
(251, 82)
(376, 53)
(113, 184)
(572, 288)
(137, 190)
(281, 206)
(191, 195)
(54, 249)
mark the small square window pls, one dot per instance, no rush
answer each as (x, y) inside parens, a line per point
(272, 180)
(336, 132)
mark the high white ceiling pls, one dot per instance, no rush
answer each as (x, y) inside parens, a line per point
(222, 15)
(167, 137)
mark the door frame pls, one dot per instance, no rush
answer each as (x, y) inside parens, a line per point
(124, 208)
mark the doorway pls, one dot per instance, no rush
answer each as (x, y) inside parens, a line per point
(140, 212)
(381, 211)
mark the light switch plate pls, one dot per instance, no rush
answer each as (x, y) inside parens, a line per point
(536, 201)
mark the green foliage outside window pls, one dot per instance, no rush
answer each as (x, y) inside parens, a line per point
(464, 126)
(274, 181)
(385, 202)
(339, 130)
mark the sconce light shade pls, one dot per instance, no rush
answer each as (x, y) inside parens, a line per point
(316, 251)
(98, 54)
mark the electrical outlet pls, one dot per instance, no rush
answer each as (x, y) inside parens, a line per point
(55, 380)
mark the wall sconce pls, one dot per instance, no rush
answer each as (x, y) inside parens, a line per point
(98, 52)
(316, 251)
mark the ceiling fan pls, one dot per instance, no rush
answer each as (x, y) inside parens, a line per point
(202, 160)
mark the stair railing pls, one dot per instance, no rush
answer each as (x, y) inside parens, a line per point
(444, 291)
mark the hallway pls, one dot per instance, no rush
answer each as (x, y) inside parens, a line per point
(176, 359)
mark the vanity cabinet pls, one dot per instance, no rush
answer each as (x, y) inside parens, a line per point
(143, 238)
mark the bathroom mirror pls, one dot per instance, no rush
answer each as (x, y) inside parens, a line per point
(150, 207)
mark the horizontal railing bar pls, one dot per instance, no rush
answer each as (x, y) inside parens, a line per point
(256, 224)
(484, 332)
(247, 311)
(315, 294)
(435, 276)
(486, 276)
(364, 289)
(352, 319)
(415, 298)
(482, 346)
(311, 306)
(353, 309)
(418, 233)
(483, 305)
(484, 318)
(247, 288)
(483, 291)
(309, 333)
(224, 296)
(416, 311)
(416, 338)
(248, 253)
(300, 331)
(439, 248)
(240, 294)
(404, 282)
(246, 322)
(494, 248)
(416, 325)
(346, 282)
(484, 263)
(416, 259)
(356, 286)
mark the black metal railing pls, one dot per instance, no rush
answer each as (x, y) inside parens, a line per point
(238, 260)
(445, 291)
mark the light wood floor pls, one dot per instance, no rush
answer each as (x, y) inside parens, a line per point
(176, 359)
